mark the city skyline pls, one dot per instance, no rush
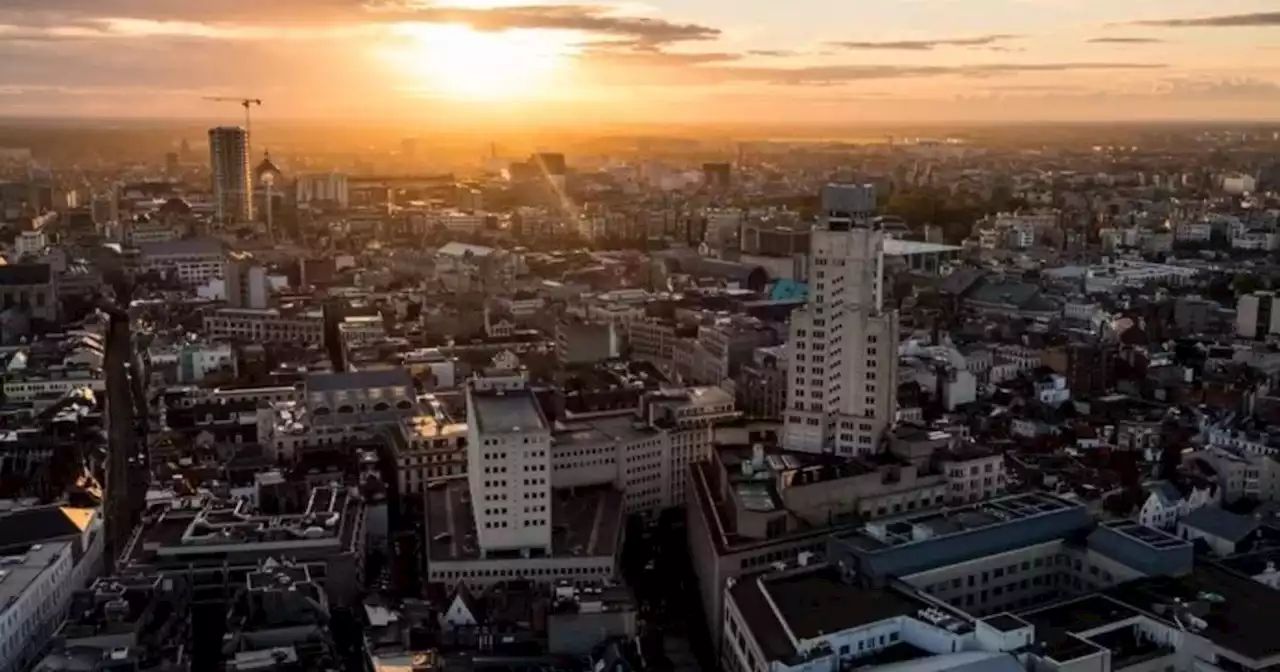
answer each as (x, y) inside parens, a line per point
(745, 61)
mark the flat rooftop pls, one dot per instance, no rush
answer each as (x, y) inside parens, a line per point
(901, 248)
(511, 412)
(1056, 624)
(20, 572)
(934, 525)
(584, 521)
(1147, 535)
(359, 380)
(1240, 614)
(183, 530)
(810, 602)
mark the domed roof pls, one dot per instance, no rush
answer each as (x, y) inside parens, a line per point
(267, 167)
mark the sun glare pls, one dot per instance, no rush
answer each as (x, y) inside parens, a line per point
(458, 62)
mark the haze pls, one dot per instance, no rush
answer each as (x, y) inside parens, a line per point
(686, 61)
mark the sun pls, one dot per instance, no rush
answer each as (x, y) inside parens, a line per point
(461, 63)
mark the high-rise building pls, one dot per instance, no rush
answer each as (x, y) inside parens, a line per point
(508, 466)
(1258, 315)
(842, 386)
(232, 177)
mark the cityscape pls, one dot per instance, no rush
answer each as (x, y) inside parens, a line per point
(668, 337)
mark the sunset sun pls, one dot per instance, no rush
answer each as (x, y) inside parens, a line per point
(459, 62)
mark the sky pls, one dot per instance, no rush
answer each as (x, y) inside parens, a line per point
(652, 61)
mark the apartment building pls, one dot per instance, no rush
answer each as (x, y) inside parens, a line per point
(46, 552)
(428, 447)
(193, 261)
(271, 325)
(645, 455)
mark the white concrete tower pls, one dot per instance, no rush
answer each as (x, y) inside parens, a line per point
(842, 385)
(508, 466)
(232, 176)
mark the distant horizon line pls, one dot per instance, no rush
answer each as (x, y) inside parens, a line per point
(63, 121)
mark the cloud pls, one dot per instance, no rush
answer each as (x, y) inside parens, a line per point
(928, 45)
(609, 53)
(595, 19)
(778, 53)
(230, 19)
(843, 74)
(1255, 19)
(1125, 40)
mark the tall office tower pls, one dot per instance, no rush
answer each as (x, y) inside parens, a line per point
(232, 177)
(842, 388)
(508, 466)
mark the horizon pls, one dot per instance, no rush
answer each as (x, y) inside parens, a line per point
(504, 62)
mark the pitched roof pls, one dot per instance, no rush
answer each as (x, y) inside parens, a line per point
(1220, 523)
(24, 274)
(1168, 493)
(40, 524)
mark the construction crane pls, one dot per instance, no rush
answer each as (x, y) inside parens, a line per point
(247, 104)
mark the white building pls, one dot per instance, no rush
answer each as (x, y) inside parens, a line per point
(1052, 390)
(37, 579)
(508, 466)
(842, 387)
(326, 188)
(193, 361)
(266, 326)
(194, 261)
(1194, 231)
(30, 243)
(246, 284)
(56, 381)
(232, 177)
(1239, 184)
(1166, 504)
(1111, 276)
(1258, 315)
(1255, 240)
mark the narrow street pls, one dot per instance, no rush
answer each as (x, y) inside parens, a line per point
(656, 564)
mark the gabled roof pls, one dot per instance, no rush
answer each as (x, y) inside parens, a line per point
(40, 524)
(1167, 492)
(1220, 523)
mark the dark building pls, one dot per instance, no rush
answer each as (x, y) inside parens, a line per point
(548, 163)
(717, 175)
(1091, 368)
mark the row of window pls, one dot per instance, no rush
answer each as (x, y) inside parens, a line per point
(567, 572)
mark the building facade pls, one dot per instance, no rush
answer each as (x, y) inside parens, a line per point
(843, 353)
(232, 176)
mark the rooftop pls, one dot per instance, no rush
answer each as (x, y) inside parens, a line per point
(184, 247)
(1237, 612)
(808, 602)
(929, 526)
(901, 248)
(192, 529)
(24, 274)
(585, 522)
(359, 380)
(28, 526)
(508, 412)
(19, 572)
(1220, 523)
(1056, 624)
